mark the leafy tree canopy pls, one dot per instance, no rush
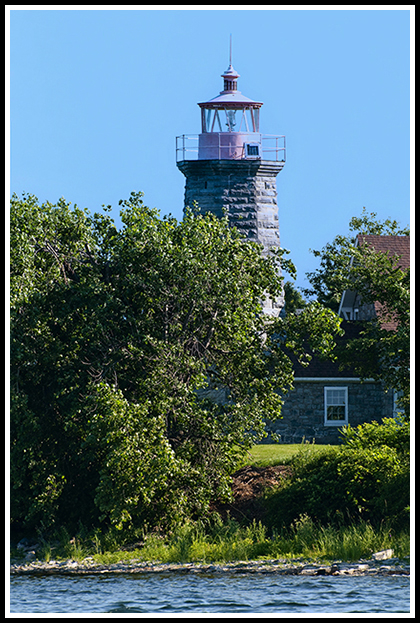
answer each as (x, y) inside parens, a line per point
(293, 298)
(383, 349)
(142, 365)
(378, 353)
(332, 277)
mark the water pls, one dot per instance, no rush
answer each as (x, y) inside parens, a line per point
(227, 593)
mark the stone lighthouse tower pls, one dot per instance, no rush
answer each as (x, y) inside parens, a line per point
(231, 168)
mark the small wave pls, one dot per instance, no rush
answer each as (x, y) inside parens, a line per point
(183, 594)
(122, 608)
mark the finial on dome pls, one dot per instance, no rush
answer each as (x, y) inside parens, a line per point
(230, 76)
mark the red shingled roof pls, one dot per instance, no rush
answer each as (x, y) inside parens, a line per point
(393, 245)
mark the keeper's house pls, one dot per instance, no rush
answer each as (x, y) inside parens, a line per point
(326, 398)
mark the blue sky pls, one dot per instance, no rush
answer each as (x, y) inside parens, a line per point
(97, 98)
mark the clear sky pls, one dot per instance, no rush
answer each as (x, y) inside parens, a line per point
(97, 98)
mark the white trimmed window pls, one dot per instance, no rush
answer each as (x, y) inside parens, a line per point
(336, 406)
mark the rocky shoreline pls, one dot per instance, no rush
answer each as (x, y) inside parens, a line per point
(381, 564)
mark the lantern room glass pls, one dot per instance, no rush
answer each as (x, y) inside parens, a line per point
(230, 119)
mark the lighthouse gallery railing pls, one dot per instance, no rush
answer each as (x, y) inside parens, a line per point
(273, 147)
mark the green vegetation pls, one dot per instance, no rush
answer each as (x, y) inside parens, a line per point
(365, 479)
(142, 366)
(229, 542)
(293, 298)
(288, 530)
(328, 282)
(214, 541)
(378, 279)
(264, 455)
(143, 372)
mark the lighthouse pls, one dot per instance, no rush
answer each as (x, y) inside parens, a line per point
(231, 168)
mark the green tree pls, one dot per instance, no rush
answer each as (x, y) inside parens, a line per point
(382, 352)
(293, 298)
(330, 280)
(49, 320)
(377, 353)
(142, 366)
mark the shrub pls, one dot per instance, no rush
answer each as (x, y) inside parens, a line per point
(365, 479)
(394, 433)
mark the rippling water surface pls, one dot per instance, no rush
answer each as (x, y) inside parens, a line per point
(166, 593)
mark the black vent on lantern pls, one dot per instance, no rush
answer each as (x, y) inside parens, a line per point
(230, 85)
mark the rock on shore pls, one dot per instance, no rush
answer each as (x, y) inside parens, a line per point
(373, 567)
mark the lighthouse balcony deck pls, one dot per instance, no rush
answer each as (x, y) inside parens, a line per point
(270, 147)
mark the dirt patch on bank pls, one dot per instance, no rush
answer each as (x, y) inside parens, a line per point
(248, 486)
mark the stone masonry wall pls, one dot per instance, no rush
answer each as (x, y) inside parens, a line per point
(303, 410)
(244, 190)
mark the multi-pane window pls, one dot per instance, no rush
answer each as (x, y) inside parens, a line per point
(336, 403)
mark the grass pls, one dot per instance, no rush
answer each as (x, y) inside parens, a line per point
(229, 542)
(216, 541)
(265, 455)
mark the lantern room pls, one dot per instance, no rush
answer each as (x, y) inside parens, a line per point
(230, 124)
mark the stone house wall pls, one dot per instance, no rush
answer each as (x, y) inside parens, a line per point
(304, 410)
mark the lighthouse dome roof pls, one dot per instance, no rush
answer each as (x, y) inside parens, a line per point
(230, 97)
